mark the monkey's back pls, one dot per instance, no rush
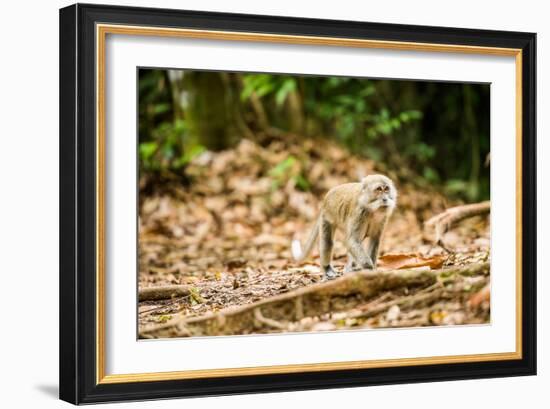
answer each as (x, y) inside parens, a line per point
(340, 202)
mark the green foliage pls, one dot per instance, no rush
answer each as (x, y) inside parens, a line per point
(147, 150)
(288, 169)
(191, 153)
(164, 140)
(265, 84)
(195, 296)
(165, 150)
(435, 131)
(464, 188)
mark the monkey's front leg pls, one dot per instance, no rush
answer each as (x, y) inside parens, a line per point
(372, 248)
(351, 265)
(355, 233)
(355, 247)
(357, 251)
(325, 248)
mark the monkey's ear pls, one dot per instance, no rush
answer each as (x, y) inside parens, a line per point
(364, 182)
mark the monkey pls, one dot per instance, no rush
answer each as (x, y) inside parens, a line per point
(360, 210)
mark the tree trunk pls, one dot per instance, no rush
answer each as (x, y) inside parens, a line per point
(211, 115)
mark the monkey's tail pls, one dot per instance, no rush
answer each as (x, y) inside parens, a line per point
(296, 247)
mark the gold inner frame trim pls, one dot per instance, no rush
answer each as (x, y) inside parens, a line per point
(101, 33)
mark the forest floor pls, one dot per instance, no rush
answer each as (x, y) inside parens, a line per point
(225, 236)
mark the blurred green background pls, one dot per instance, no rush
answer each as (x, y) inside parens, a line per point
(433, 133)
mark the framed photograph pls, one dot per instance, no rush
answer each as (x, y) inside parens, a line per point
(257, 203)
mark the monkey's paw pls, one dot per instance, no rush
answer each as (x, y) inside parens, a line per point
(352, 267)
(367, 265)
(330, 273)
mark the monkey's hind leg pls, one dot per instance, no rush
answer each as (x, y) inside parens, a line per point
(325, 249)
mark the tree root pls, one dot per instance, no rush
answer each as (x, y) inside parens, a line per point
(437, 226)
(261, 320)
(276, 312)
(420, 298)
(423, 297)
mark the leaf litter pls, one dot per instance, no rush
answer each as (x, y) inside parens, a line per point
(226, 234)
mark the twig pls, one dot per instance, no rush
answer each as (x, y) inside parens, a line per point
(375, 302)
(267, 321)
(160, 307)
(162, 293)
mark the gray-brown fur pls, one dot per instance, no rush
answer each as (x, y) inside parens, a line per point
(360, 210)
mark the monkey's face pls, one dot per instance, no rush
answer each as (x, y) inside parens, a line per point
(380, 192)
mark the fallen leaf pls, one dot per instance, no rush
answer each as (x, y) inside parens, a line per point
(236, 263)
(409, 260)
(164, 318)
(196, 298)
(324, 326)
(393, 313)
(483, 295)
(437, 317)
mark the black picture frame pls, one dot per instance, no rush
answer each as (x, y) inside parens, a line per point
(78, 313)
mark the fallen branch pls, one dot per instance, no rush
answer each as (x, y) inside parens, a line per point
(162, 306)
(437, 226)
(341, 294)
(162, 293)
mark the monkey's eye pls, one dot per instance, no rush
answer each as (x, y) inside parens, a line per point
(386, 189)
(378, 189)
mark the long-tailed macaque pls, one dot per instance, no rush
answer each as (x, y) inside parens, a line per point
(359, 210)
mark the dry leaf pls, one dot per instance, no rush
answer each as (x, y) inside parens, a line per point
(227, 233)
(483, 295)
(409, 260)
